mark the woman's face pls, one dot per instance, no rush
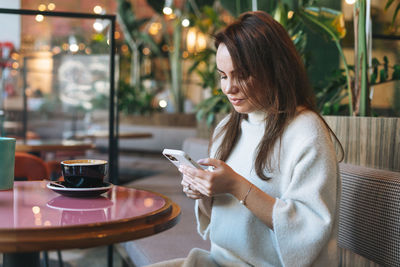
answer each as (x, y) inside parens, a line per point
(239, 100)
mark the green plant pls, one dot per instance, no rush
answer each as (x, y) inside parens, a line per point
(396, 11)
(210, 107)
(134, 37)
(174, 41)
(357, 83)
(135, 100)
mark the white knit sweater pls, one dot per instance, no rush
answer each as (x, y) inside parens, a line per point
(306, 185)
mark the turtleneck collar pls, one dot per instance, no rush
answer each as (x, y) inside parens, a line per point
(256, 117)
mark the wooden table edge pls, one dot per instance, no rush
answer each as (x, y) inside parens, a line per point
(83, 236)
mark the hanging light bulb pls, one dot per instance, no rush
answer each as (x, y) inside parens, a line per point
(185, 22)
(73, 44)
(97, 9)
(167, 10)
(98, 25)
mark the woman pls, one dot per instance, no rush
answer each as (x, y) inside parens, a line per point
(271, 194)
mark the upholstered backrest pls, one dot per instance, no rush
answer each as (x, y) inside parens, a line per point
(369, 223)
(30, 167)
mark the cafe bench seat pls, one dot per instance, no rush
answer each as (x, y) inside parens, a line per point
(369, 221)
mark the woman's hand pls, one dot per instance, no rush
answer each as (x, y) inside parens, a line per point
(208, 183)
(188, 190)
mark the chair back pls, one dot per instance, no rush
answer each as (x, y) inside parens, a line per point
(30, 167)
(369, 218)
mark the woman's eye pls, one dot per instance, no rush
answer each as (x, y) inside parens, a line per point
(222, 77)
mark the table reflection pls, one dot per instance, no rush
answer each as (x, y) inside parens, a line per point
(33, 205)
(81, 211)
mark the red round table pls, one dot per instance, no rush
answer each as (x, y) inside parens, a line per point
(34, 218)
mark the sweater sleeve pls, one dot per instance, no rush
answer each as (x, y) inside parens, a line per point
(304, 215)
(203, 216)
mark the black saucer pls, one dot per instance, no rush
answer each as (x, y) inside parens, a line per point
(61, 188)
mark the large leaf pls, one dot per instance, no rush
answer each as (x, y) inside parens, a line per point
(327, 20)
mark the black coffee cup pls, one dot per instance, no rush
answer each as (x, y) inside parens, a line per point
(84, 173)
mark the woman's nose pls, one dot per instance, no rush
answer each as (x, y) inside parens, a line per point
(230, 88)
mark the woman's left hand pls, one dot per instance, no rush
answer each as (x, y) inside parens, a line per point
(222, 179)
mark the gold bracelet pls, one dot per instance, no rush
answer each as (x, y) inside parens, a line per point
(243, 201)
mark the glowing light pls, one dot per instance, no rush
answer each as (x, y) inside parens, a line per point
(97, 9)
(191, 40)
(117, 35)
(148, 202)
(154, 28)
(185, 54)
(88, 50)
(73, 48)
(195, 40)
(65, 46)
(146, 51)
(165, 48)
(42, 7)
(124, 48)
(15, 65)
(51, 6)
(47, 223)
(82, 46)
(167, 10)
(56, 49)
(162, 103)
(290, 14)
(39, 18)
(201, 42)
(36, 210)
(185, 23)
(350, 2)
(98, 26)
(14, 56)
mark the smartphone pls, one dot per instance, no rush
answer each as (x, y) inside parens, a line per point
(179, 157)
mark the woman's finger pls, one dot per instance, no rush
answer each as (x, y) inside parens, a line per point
(210, 162)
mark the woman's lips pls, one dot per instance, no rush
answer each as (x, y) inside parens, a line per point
(236, 101)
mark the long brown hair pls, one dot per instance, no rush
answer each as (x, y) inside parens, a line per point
(271, 74)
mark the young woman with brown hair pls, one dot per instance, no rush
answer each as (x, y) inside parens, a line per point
(271, 194)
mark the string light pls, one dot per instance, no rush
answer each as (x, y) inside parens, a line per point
(51, 6)
(98, 25)
(97, 9)
(185, 23)
(39, 18)
(167, 10)
(163, 103)
(42, 7)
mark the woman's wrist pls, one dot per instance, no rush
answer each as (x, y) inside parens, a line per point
(241, 189)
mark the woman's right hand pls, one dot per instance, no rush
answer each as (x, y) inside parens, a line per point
(188, 190)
